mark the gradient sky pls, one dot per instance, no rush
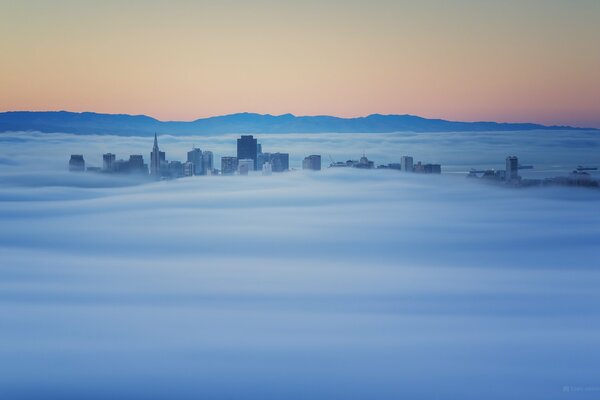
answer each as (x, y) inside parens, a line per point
(507, 60)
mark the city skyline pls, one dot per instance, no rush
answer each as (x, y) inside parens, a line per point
(511, 61)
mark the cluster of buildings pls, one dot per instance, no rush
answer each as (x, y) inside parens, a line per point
(510, 176)
(249, 157)
(406, 164)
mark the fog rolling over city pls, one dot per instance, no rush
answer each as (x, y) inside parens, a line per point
(340, 283)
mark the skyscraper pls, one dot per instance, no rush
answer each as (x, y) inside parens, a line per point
(157, 158)
(247, 148)
(108, 162)
(195, 156)
(406, 163)
(312, 162)
(207, 162)
(229, 165)
(280, 162)
(76, 163)
(512, 168)
(136, 164)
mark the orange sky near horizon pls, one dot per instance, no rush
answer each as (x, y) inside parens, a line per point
(514, 61)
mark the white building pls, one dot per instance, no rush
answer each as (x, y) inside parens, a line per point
(245, 165)
(267, 169)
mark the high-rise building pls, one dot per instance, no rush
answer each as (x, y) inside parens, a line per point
(406, 163)
(175, 169)
(188, 168)
(247, 148)
(512, 168)
(76, 163)
(312, 162)
(195, 156)
(136, 164)
(245, 165)
(207, 162)
(108, 162)
(229, 165)
(280, 162)
(157, 159)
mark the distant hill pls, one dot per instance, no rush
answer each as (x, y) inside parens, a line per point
(141, 125)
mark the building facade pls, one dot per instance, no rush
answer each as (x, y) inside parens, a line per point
(312, 162)
(229, 165)
(247, 149)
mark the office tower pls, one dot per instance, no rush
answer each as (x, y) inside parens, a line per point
(512, 168)
(76, 163)
(188, 168)
(229, 165)
(406, 163)
(207, 162)
(266, 169)
(312, 162)
(195, 156)
(157, 159)
(247, 148)
(136, 164)
(108, 162)
(432, 168)
(245, 165)
(175, 169)
(280, 162)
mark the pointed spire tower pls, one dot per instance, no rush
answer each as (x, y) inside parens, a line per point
(155, 159)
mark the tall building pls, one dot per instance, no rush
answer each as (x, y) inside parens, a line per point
(76, 163)
(229, 165)
(247, 148)
(312, 162)
(280, 162)
(188, 168)
(108, 162)
(512, 168)
(406, 163)
(175, 169)
(207, 162)
(157, 159)
(136, 164)
(195, 156)
(245, 165)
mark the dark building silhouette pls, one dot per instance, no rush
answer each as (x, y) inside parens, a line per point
(195, 156)
(312, 162)
(406, 163)
(512, 169)
(229, 165)
(136, 164)
(427, 168)
(108, 162)
(157, 160)
(247, 148)
(280, 162)
(207, 162)
(76, 163)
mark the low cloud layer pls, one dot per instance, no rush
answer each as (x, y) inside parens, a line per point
(340, 284)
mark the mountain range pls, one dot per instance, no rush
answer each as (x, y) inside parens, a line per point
(142, 125)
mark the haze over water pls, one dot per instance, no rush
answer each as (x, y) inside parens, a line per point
(337, 284)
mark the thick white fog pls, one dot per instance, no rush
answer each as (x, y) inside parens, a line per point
(344, 283)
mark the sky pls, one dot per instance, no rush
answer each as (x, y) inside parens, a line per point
(343, 283)
(532, 60)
